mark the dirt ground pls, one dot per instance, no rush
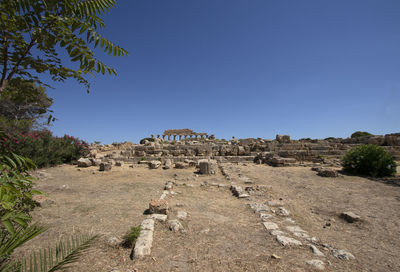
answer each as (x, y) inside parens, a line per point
(221, 232)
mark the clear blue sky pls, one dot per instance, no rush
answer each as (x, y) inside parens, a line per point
(242, 68)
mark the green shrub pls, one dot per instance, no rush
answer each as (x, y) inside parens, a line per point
(148, 139)
(131, 236)
(43, 148)
(370, 160)
(360, 134)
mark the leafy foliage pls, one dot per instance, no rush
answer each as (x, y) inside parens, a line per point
(360, 134)
(130, 237)
(32, 31)
(44, 149)
(22, 104)
(370, 160)
(146, 139)
(15, 192)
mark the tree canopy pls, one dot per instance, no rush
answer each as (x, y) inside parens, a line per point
(33, 31)
(22, 104)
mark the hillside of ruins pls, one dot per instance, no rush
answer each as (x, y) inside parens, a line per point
(209, 204)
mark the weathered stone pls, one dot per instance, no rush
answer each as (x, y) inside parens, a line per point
(327, 172)
(342, 254)
(258, 207)
(84, 162)
(350, 217)
(316, 251)
(105, 166)
(283, 138)
(181, 165)
(95, 162)
(114, 241)
(317, 264)
(237, 190)
(283, 212)
(277, 232)
(287, 241)
(175, 225)
(119, 163)
(181, 215)
(270, 225)
(274, 256)
(208, 167)
(154, 164)
(158, 217)
(168, 164)
(147, 224)
(295, 229)
(158, 206)
(143, 244)
(169, 185)
(42, 201)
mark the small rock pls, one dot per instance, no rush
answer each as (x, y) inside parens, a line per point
(143, 244)
(342, 254)
(270, 225)
(350, 217)
(174, 225)
(159, 206)
(105, 166)
(154, 164)
(114, 241)
(283, 211)
(168, 164)
(277, 232)
(42, 200)
(118, 163)
(287, 241)
(64, 187)
(147, 224)
(158, 217)
(181, 215)
(181, 165)
(317, 264)
(329, 173)
(274, 256)
(316, 251)
(84, 162)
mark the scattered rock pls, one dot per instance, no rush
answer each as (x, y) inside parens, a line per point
(277, 232)
(181, 165)
(316, 251)
(283, 211)
(350, 217)
(287, 241)
(270, 225)
(114, 241)
(258, 207)
(168, 164)
(159, 206)
(208, 167)
(105, 166)
(327, 172)
(158, 217)
(84, 162)
(119, 163)
(143, 244)
(42, 200)
(154, 164)
(274, 256)
(147, 224)
(317, 264)
(169, 185)
(181, 215)
(64, 187)
(342, 254)
(175, 225)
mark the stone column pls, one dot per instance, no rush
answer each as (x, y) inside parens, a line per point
(180, 137)
(152, 136)
(163, 137)
(174, 137)
(169, 137)
(158, 136)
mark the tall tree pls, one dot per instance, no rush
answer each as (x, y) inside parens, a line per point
(22, 104)
(33, 31)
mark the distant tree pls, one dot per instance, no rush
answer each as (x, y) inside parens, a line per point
(22, 105)
(33, 31)
(360, 134)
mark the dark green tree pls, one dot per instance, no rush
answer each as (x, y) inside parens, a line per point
(22, 105)
(33, 31)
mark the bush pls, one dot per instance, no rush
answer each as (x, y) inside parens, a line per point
(131, 236)
(44, 149)
(370, 160)
(148, 139)
(360, 134)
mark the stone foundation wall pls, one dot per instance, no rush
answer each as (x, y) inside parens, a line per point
(258, 150)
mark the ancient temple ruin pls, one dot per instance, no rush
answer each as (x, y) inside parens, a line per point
(174, 134)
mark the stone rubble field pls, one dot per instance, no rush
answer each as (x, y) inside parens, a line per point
(222, 217)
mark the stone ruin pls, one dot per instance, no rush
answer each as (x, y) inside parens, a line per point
(181, 134)
(282, 151)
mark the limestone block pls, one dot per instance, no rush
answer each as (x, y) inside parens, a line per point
(105, 166)
(143, 244)
(84, 162)
(208, 167)
(159, 206)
